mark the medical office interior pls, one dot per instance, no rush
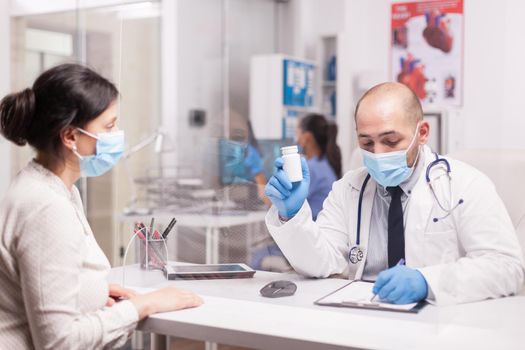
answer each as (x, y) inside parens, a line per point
(206, 83)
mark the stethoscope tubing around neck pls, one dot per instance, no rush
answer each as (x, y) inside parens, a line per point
(448, 211)
(359, 207)
(435, 162)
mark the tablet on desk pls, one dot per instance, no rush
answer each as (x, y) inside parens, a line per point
(216, 271)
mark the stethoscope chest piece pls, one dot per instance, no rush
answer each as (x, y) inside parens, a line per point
(356, 254)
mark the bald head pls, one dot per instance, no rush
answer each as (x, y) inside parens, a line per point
(387, 119)
(388, 98)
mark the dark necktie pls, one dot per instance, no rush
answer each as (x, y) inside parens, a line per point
(396, 231)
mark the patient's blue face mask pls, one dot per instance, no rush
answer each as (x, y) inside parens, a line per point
(391, 168)
(110, 147)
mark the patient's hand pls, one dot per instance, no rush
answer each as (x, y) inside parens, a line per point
(117, 292)
(163, 300)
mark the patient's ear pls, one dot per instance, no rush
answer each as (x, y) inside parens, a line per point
(69, 137)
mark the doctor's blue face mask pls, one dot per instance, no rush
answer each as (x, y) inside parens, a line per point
(110, 147)
(391, 168)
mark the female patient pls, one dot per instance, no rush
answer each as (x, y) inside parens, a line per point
(53, 274)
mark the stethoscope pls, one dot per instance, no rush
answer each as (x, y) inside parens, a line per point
(356, 252)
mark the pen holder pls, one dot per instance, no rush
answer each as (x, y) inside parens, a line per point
(153, 254)
(151, 248)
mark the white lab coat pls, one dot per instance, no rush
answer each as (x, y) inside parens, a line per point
(471, 255)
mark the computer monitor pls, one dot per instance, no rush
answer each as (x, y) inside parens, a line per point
(231, 162)
(270, 150)
(232, 154)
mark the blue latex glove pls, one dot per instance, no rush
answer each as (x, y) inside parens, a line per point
(253, 161)
(401, 285)
(288, 198)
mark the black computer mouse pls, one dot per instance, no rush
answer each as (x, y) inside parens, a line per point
(278, 289)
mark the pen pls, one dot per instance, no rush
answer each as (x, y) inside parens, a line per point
(143, 229)
(168, 229)
(156, 235)
(400, 262)
(151, 227)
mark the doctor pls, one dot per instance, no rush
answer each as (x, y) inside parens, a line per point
(453, 231)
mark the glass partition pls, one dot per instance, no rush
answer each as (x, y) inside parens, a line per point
(123, 44)
(205, 163)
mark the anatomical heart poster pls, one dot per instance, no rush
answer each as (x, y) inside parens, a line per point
(427, 49)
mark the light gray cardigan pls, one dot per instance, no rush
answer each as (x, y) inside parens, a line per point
(53, 286)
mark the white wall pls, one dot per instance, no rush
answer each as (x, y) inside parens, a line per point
(494, 108)
(5, 156)
(363, 60)
(312, 19)
(493, 111)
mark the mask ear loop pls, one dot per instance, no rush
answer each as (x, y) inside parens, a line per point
(418, 146)
(414, 140)
(417, 156)
(75, 149)
(75, 152)
(415, 136)
(88, 133)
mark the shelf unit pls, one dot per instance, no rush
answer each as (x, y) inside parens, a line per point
(327, 90)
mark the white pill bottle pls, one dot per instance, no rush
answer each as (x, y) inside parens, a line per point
(292, 163)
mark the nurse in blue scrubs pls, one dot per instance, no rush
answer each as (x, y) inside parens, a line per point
(317, 136)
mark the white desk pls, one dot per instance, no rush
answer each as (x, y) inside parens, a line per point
(234, 313)
(211, 223)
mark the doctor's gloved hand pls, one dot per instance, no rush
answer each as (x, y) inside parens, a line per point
(401, 285)
(288, 198)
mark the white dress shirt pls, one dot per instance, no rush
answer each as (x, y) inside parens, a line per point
(377, 258)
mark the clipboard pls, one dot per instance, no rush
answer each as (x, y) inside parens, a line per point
(342, 297)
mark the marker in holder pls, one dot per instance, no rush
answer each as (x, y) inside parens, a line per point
(152, 248)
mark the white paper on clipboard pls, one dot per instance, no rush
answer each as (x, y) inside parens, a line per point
(359, 294)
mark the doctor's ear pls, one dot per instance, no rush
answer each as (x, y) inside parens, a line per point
(424, 132)
(69, 137)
